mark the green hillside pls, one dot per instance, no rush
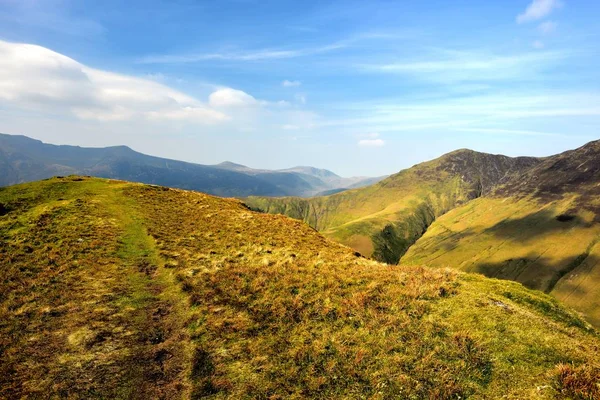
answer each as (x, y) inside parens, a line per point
(385, 219)
(112, 290)
(541, 228)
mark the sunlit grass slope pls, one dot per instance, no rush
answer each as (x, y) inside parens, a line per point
(536, 244)
(116, 290)
(541, 229)
(383, 220)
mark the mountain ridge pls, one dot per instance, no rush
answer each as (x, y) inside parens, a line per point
(24, 159)
(384, 219)
(539, 228)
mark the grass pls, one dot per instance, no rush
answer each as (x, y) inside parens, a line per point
(176, 294)
(77, 308)
(380, 221)
(523, 240)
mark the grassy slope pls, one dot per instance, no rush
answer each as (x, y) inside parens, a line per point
(520, 240)
(385, 219)
(542, 229)
(118, 290)
(86, 309)
(354, 217)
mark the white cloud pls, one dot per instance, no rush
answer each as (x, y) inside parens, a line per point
(287, 83)
(548, 27)
(228, 97)
(538, 9)
(371, 143)
(290, 127)
(35, 78)
(538, 44)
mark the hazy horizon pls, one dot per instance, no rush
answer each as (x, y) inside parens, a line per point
(356, 88)
(258, 167)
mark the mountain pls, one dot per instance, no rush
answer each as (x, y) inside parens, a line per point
(111, 289)
(385, 219)
(541, 228)
(308, 181)
(23, 160)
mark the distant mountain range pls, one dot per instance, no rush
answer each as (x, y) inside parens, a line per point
(23, 159)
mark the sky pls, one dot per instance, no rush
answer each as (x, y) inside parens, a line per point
(358, 87)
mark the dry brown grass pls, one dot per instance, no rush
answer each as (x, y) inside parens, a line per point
(577, 382)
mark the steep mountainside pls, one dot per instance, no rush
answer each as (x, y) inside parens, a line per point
(116, 290)
(540, 228)
(23, 159)
(383, 220)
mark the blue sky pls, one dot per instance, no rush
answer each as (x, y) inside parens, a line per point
(361, 88)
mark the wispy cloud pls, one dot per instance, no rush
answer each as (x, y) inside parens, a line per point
(50, 17)
(266, 54)
(519, 132)
(499, 114)
(475, 66)
(253, 55)
(370, 135)
(473, 63)
(287, 83)
(538, 9)
(301, 98)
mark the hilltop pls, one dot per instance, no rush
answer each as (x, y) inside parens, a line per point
(23, 159)
(383, 220)
(111, 289)
(540, 228)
